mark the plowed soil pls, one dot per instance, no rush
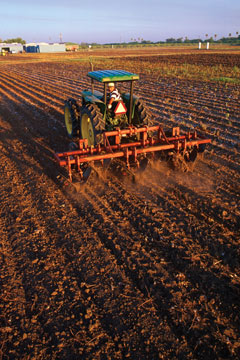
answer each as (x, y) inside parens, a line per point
(118, 271)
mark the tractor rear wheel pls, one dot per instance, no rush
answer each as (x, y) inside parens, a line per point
(92, 124)
(141, 115)
(71, 115)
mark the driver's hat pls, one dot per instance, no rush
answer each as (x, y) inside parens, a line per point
(111, 84)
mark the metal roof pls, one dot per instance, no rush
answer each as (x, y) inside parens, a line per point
(12, 45)
(112, 75)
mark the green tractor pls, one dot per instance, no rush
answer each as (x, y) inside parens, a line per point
(118, 135)
(90, 119)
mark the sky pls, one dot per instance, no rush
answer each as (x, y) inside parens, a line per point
(100, 21)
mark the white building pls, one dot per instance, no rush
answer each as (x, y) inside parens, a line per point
(12, 48)
(44, 47)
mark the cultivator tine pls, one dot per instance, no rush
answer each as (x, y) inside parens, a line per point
(161, 132)
(69, 168)
(83, 144)
(135, 157)
(107, 143)
(78, 165)
(176, 131)
(127, 158)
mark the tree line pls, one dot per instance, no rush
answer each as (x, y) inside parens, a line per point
(234, 40)
(18, 40)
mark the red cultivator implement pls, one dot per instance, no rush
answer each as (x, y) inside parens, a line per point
(135, 154)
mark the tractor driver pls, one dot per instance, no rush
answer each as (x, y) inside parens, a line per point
(114, 94)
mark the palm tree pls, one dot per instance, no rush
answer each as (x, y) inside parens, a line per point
(215, 35)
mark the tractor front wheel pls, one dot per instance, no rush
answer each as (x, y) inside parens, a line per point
(92, 124)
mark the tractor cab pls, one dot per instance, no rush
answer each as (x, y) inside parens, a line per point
(92, 117)
(122, 108)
